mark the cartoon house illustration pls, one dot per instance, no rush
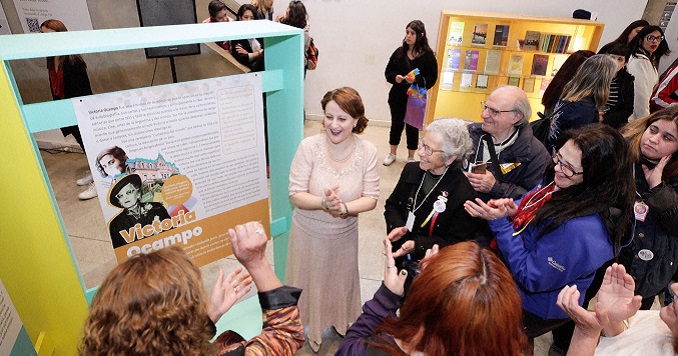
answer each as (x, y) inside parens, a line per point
(151, 169)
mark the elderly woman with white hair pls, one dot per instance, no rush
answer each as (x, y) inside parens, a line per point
(426, 206)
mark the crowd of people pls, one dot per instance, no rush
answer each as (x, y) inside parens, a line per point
(492, 237)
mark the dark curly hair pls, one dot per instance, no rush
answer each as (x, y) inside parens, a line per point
(297, 16)
(348, 100)
(151, 304)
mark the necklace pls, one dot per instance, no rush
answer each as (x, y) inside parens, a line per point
(416, 195)
(529, 203)
(329, 151)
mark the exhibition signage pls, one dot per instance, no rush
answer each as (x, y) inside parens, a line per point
(178, 164)
(73, 13)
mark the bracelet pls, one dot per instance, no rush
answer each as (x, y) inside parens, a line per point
(323, 204)
(345, 213)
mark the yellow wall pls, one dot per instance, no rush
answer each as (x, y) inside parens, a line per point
(35, 262)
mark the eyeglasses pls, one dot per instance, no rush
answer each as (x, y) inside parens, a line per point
(427, 149)
(651, 38)
(565, 167)
(128, 192)
(493, 112)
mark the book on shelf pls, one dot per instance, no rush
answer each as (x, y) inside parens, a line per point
(456, 34)
(446, 79)
(501, 35)
(453, 59)
(492, 62)
(528, 85)
(471, 60)
(479, 35)
(544, 84)
(481, 81)
(515, 81)
(539, 64)
(553, 43)
(466, 80)
(531, 42)
(557, 63)
(516, 64)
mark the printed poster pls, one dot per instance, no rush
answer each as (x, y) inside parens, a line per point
(73, 13)
(178, 164)
(479, 35)
(10, 324)
(4, 25)
(456, 34)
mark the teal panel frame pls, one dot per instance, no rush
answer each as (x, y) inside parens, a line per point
(283, 83)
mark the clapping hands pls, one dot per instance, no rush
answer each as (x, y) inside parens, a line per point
(335, 206)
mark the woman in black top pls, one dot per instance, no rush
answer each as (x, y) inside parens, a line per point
(415, 53)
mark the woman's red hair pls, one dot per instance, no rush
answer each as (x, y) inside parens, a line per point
(464, 302)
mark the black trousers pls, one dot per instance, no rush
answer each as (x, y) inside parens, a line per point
(75, 131)
(398, 123)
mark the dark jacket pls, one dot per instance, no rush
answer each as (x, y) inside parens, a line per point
(258, 64)
(658, 234)
(527, 151)
(76, 81)
(399, 63)
(384, 304)
(452, 225)
(618, 116)
(573, 116)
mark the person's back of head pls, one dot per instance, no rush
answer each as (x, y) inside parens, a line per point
(564, 74)
(464, 302)
(151, 304)
(592, 79)
(297, 16)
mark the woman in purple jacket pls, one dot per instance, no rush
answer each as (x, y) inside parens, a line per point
(562, 231)
(464, 302)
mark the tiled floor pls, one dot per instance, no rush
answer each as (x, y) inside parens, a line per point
(91, 245)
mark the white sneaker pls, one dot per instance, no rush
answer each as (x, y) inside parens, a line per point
(89, 193)
(389, 159)
(411, 159)
(85, 180)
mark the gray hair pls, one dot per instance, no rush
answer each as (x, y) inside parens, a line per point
(456, 140)
(521, 105)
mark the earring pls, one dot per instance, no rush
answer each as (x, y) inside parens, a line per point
(354, 125)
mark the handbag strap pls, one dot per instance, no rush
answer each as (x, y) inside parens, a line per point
(493, 154)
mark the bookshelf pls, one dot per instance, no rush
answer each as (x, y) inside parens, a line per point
(479, 51)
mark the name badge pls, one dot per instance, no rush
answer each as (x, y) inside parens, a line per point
(645, 255)
(439, 206)
(410, 221)
(640, 209)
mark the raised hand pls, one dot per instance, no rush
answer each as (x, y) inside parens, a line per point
(616, 294)
(226, 292)
(654, 176)
(393, 280)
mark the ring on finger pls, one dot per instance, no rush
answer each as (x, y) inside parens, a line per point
(259, 231)
(390, 266)
(235, 289)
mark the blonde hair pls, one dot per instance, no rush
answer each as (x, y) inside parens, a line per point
(151, 304)
(593, 78)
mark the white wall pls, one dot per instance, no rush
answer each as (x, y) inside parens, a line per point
(356, 37)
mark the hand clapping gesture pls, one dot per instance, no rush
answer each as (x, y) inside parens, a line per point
(616, 303)
(492, 210)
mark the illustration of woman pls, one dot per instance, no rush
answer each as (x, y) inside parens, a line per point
(126, 194)
(112, 162)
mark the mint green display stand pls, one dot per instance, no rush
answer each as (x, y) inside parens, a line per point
(37, 264)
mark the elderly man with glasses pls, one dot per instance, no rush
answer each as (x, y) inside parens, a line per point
(507, 160)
